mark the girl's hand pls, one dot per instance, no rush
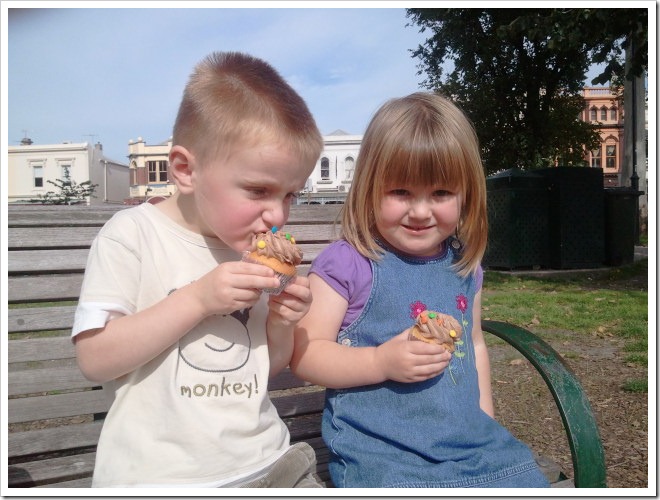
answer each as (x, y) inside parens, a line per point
(404, 360)
(292, 304)
(233, 286)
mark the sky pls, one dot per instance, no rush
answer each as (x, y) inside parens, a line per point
(114, 74)
(111, 72)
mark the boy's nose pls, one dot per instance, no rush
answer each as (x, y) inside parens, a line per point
(275, 215)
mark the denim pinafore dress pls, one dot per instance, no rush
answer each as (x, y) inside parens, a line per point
(427, 434)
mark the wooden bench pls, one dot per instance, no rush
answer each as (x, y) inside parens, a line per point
(55, 415)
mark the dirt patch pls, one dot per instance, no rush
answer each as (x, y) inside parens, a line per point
(525, 406)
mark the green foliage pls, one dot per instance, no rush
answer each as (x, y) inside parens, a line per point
(518, 74)
(636, 386)
(69, 192)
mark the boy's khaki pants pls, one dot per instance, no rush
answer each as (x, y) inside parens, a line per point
(295, 469)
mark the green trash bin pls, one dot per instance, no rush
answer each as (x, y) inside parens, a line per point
(576, 235)
(620, 220)
(517, 204)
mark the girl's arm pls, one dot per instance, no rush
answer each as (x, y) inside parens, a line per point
(319, 359)
(481, 355)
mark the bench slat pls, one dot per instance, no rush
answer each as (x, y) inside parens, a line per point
(50, 237)
(64, 437)
(78, 237)
(47, 380)
(40, 349)
(34, 319)
(51, 469)
(56, 406)
(43, 261)
(41, 288)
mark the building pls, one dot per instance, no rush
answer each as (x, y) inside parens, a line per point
(605, 110)
(333, 173)
(32, 166)
(329, 182)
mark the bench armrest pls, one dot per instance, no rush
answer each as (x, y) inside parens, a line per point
(579, 421)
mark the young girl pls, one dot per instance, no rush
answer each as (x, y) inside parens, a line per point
(399, 412)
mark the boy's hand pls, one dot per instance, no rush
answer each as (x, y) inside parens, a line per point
(403, 360)
(292, 304)
(233, 286)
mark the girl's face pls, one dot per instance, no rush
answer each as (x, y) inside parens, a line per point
(248, 193)
(416, 220)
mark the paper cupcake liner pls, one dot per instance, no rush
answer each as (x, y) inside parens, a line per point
(284, 278)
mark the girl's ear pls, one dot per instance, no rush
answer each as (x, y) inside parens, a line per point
(181, 168)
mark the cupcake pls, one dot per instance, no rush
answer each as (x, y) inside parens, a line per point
(436, 328)
(278, 251)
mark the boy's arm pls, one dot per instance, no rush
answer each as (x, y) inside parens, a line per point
(129, 342)
(319, 359)
(285, 310)
(481, 355)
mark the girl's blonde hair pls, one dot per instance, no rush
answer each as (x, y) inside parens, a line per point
(421, 139)
(236, 99)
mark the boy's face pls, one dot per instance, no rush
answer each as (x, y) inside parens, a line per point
(248, 193)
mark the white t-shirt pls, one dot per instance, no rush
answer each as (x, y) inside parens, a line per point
(198, 414)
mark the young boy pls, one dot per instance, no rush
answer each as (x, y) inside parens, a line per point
(174, 323)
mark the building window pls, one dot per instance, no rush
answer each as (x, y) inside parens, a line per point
(603, 114)
(38, 175)
(325, 168)
(595, 158)
(133, 172)
(349, 166)
(610, 156)
(157, 171)
(65, 169)
(594, 114)
(613, 114)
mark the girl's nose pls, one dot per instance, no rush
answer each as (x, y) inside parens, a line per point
(420, 209)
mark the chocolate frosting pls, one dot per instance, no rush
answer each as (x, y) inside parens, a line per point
(434, 325)
(279, 245)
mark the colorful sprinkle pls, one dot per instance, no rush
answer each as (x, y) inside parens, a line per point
(261, 244)
(273, 229)
(452, 333)
(431, 315)
(287, 236)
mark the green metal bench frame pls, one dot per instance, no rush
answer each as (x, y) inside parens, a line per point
(576, 413)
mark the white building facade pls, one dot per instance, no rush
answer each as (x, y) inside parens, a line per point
(32, 166)
(329, 182)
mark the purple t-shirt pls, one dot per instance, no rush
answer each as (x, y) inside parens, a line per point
(349, 274)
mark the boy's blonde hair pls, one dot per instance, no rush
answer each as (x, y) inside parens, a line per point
(235, 99)
(421, 139)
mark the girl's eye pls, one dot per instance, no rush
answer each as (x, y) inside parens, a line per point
(441, 193)
(398, 192)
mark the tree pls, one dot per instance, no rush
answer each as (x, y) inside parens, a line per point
(518, 74)
(70, 192)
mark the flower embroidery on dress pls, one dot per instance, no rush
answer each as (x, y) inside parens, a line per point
(417, 308)
(462, 303)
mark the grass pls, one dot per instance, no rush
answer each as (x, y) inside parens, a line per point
(609, 304)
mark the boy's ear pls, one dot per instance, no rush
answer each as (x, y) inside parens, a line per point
(181, 168)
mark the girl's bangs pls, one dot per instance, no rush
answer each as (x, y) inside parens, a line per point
(432, 164)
